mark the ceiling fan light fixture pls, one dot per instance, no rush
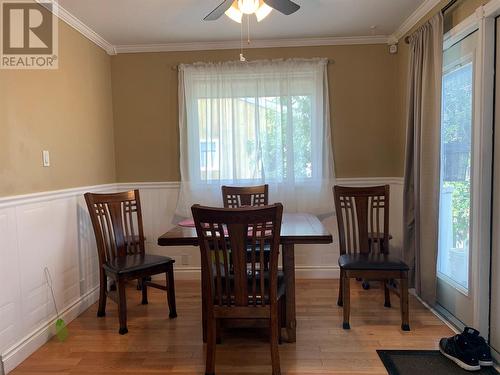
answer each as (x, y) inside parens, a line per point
(248, 6)
(263, 11)
(234, 13)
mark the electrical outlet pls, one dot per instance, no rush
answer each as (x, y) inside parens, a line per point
(185, 259)
(45, 158)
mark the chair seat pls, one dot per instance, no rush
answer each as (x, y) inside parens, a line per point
(373, 262)
(133, 263)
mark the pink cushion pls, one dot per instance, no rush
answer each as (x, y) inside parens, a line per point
(189, 223)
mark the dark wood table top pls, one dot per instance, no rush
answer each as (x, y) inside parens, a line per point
(295, 229)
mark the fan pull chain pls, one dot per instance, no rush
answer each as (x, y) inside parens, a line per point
(242, 57)
(248, 29)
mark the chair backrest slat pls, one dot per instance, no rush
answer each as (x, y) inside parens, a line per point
(362, 218)
(235, 196)
(225, 235)
(117, 222)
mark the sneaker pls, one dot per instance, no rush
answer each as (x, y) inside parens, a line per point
(479, 344)
(459, 350)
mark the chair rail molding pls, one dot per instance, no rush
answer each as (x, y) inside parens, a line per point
(44, 196)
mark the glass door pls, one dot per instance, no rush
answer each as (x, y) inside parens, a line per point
(454, 291)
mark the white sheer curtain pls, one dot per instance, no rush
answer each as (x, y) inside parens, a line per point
(254, 123)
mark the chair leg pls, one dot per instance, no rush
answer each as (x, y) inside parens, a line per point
(171, 292)
(122, 307)
(283, 311)
(218, 331)
(387, 294)
(346, 295)
(273, 338)
(340, 300)
(103, 288)
(144, 288)
(405, 310)
(280, 319)
(211, 344)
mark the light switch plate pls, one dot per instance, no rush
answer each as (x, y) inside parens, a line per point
(46, 158)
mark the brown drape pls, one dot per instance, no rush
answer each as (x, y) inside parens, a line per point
(422, 165)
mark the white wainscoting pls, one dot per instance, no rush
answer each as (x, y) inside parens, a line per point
(40, 230)
(53, 229)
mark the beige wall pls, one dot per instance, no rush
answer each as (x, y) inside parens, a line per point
(66, 111)
(70, 112)
(363, 103)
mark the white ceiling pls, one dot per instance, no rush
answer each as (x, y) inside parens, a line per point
(143, 22)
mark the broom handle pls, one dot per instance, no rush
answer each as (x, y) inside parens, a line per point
(49, 282)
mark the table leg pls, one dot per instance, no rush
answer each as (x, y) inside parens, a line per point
(289, 271)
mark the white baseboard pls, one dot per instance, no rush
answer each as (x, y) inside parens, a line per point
(434, 311)
(187, 273)
(317, 272)
(30, 343)
(496, 358)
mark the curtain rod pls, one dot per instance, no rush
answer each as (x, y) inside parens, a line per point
(176, 67)
(443, 11)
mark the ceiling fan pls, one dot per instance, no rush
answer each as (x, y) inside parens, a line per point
(235, 9)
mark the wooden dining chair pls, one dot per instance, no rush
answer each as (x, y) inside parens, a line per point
(363, 213)
(243, 290)
(235, 196)
(117, 222)
(243, 196)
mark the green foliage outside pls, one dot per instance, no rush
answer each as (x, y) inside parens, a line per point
(283, 147)
(456, 131)
(267, 141)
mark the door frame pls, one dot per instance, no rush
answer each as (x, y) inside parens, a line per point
(482, 21)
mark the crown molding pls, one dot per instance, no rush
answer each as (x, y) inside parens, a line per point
(86, 31)
(264, 43)
(492, 8)
(413, 19)
(82, 28)
(111, 49)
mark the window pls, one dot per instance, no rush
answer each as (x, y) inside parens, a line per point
(456, 153)
(253, 123)
(265, 150)
(209, 155)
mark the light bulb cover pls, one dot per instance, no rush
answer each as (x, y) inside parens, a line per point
(263, 11)
(234, 13)
(248, 6)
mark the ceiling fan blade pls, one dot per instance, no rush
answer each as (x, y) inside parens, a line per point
(284, 6)
(219, 11)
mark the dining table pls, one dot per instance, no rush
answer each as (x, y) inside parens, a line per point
(296, 228)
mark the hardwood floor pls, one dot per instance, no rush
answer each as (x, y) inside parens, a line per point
(156, 344)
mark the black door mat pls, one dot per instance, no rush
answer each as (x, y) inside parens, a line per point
(418, 362)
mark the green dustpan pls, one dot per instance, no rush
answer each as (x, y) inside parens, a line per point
(61, 330)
